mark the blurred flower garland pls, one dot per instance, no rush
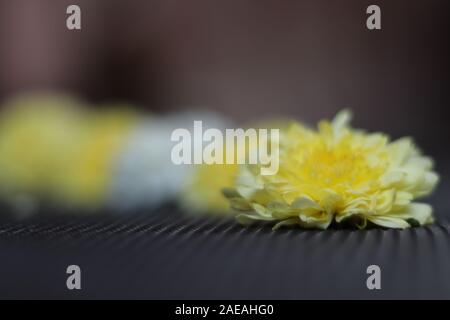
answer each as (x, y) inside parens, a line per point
(57, 150)
(54, 148)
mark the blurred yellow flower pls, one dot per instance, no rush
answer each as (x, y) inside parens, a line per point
(36, 133)
(338, 174)
(203, 192)
(52, 147)
(89, 174)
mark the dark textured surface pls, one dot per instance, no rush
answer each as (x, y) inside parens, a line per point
(164, 255)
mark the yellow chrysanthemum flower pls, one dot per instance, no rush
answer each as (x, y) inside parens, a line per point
(338, 174)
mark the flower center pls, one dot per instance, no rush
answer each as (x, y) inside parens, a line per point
(342, 166)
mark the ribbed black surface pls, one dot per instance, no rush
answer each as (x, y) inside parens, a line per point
(165, 255)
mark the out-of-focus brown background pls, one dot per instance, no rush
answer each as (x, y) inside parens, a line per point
(248, 59)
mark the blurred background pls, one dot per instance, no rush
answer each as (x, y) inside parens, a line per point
(244, 60)
(307, 59)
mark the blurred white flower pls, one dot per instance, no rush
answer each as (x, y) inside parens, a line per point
(145, 175)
